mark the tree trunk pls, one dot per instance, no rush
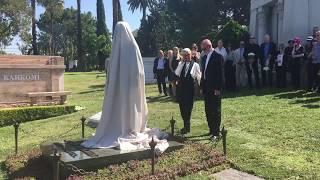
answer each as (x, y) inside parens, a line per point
(119, 11)
(51, 35)
(82, 63)
(115, 7)
(34, 31)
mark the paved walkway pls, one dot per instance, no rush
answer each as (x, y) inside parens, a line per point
(232, 174)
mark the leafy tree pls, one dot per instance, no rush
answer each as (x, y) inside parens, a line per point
(54, 9)
(236, 10)
(142, 5)
(183, 22)
(66, 39)
(14, 18)
(102, 31)
(232, 33)
(34, 31)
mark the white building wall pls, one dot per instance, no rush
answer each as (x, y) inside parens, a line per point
(314, 14)
(295, 18)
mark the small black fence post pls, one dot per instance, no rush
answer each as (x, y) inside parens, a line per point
(83, 119)
(224, 140)
(152, 145)
(172, 123)
(16, 133)
(56, 165)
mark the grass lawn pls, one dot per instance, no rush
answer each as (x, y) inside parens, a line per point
(271, 134)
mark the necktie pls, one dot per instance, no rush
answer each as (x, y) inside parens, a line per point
(203, 64)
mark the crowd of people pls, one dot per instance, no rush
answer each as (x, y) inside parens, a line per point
(249, 65)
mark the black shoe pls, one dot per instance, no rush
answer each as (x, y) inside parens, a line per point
(215, 139)
(165, 94)
(184, 131)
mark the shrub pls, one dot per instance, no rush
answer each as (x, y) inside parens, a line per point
(10, 116)
(232, 33)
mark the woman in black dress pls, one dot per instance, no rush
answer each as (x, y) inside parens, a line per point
(173, 64)
(297, 59)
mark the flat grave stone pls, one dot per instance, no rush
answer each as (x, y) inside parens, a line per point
(232, 174)
(73, 153)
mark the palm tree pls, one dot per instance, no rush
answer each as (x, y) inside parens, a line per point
(115, 6)
(34, 31)
(142, 5)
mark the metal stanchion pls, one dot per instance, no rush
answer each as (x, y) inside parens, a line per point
(152, 145)
(56, 165)
(172, 122)
(224, 140)
(83, 119)
(16, 131)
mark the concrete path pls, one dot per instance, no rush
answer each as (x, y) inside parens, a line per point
(232, 174)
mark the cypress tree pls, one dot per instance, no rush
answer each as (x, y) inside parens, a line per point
(102, 31)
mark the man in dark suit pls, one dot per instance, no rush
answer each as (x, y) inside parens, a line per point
(251, 55)
(160, 71)
(211, 84)
(268, 53)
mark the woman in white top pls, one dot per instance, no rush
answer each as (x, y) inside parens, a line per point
(188, 72)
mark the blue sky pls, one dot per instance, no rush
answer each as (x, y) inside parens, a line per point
(90, 5)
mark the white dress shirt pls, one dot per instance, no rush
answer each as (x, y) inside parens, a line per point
(222, 51)
(207, 61)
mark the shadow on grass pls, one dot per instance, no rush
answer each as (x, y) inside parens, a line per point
(255, 92)
(97, 86)
(91, 91)
(36, 167)
(296, 94)
(226, 95)
(311, 106)
(161, 99)
(4, 170)
(306, 101)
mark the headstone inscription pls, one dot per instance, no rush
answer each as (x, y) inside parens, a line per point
(20, 75)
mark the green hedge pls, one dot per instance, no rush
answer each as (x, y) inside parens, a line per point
(10, 116)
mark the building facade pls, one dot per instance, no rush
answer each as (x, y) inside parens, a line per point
(284, 19)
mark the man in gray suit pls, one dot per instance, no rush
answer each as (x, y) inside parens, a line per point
(241, 72)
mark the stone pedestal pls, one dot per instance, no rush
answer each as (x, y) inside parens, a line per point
(20, 75)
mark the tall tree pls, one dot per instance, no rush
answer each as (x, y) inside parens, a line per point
(236, 10)
(142, 5)
(82, 63)
(14, 18)
(120, 17)
(102, 31)
(34, 31)
(54, 9)
(117, 13)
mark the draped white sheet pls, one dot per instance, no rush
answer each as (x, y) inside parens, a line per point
(124, 114)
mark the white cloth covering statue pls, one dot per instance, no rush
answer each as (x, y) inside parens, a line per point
(124, 114)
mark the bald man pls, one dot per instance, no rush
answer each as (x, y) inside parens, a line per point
(211, 84)
(268, 56)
